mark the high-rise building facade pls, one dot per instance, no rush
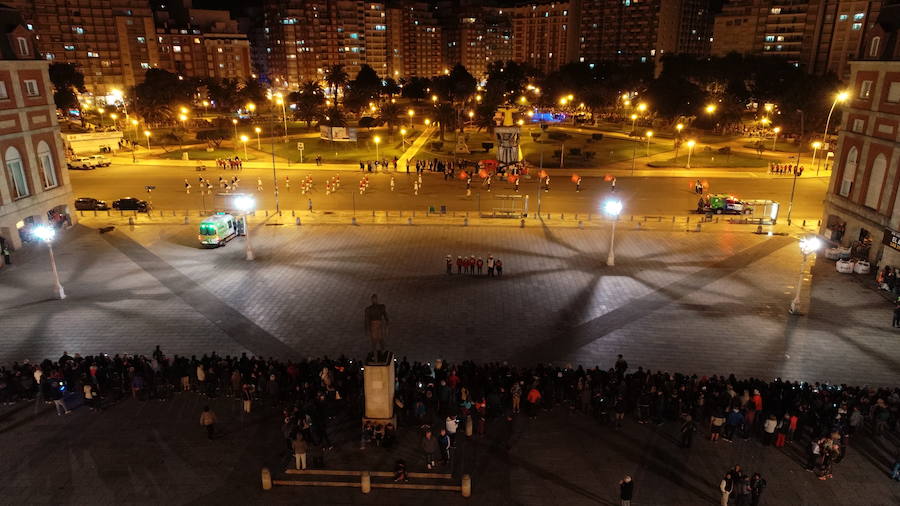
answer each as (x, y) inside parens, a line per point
(34, 187)
(112, 42)
(476, 37)
(414, 41)
(629, 31)
(822, 36)
(544, 35)
(861, 207)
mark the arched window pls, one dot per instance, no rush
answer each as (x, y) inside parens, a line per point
(48, 169)
(849, 172)
(873, 47)
(17, 172)
(876, 181)
(23, 46)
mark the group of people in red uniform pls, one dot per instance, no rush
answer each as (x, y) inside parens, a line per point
(475, 265)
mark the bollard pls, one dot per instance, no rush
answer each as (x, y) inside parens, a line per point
(580, 224)
(131, 221)
(365, 482)
(373, 213)
(186, 220)
(266, 479)
(688, 220)
(673, 219)
(759, 229)
(267, 212)
(804, 223)
(698, 228)
(717, 219)
(353, 220)
(638, 227)
(409, 221)
(297, 221)
(522, 223)
(465, 222)
(548, 216)
(562, 216)
(466, 486)
(293, 212)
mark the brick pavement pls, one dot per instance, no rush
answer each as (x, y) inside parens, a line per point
(709, 302)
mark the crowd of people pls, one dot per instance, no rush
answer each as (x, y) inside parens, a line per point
(785, 169)
(441, 397)
(475, 265)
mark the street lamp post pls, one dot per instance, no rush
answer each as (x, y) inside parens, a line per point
(612, 208)
(147, 135)
(794, 180)
(403, 137)
(280, 101)
(678, 128)
(649, 136)
(377, 140)
(245, 205)
(258, 145)
(807, 245)
(633, 121)
(690, 145)
(775, 137)
(411, 113)
(244, 139)
(841, 97)
(46, 234)
(816, 145)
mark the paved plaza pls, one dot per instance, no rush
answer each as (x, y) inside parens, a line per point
(708, 302)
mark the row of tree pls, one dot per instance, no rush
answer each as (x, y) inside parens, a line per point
(682, 89)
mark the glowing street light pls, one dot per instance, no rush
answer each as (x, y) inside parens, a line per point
(649, 135)
(816, 145)
(840, 97)
(775, 137)
(205, 106)
(769, 107)
(246, 204)
(147, 135)
(478, 98)
(244, 139)
(642, 107)
(377, 140)
(808, 245)
(434, 98)
(234, 123)
(710, 109)
(634, 118)
(522, 99)
(563, 101)
(403, 136)
(46, 234)
(613, 208)
(691, 143)
(134, 123)
(251, 107)
(427, 121)
(678, 128)
(258, 130)
(764, 121)
(411, 113)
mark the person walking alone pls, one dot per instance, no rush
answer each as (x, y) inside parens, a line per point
(208, 421)
(626, 490)
(300, 448)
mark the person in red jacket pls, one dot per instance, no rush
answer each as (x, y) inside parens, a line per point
(533, 398)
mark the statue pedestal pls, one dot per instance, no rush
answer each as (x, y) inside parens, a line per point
(378, 379)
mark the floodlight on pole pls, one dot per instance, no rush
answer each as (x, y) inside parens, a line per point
(246, 204)
(612, 207)
(808, 245)
(46, 233)
(691, 143)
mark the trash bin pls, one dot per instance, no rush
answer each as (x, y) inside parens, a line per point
(430, 209)
(443, 209)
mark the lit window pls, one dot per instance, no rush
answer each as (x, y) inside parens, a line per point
(858, 16)
(78, 29)
(176, 49)
(69, 47)
(196, 40)
(856, 26)
(145, 65)
(31, 88)
(92, 54)
(770, 38)
(865, 90)
(354, 36)
(776, 10)
(843, 17)
(17, 172)
(142, 40)
(49, 56)
(380, 28)
(219, 49)
(29, 26)
(48, 170)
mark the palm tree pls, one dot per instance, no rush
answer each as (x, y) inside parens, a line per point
(446, 116)
(390, 114)
(337, 78)
(311, 88)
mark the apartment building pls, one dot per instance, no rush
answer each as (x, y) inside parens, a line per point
(861, 208)
(414, 40)
(629, 31)
(822, 36)
(201, 43)
(34, 187)
(544, 35)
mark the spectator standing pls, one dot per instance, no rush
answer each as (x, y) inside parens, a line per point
(757, 486)
(247, 398)
(688, 428)
(429, 447)
(725, 487)
(534, 397)
(626, 490)
(300, 447)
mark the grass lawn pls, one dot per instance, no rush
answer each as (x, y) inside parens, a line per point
(708, 159)
(607, 150)
(346, 152)
(780, 147)
(202, 154)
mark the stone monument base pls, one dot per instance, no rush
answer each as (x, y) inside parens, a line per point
(378, 379)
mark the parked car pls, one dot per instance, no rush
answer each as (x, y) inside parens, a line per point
(90, 204)
(131, 204)
(82, 163)
(100, 160)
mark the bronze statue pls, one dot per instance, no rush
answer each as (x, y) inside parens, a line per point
(376, 324)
